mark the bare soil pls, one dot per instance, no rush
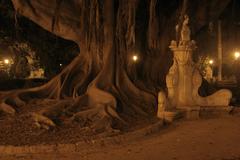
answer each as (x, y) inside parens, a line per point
(203, 139)
(19, 129)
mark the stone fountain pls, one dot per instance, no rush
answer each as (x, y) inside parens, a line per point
(183, 81)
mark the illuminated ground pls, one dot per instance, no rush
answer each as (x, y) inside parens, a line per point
(205, 139)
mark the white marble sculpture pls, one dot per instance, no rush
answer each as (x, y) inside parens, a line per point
(209, 73)
(183, 79)
(185, 32)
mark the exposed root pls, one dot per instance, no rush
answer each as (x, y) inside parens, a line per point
(98, 118)
(5, 108)
(96, 109)
(107, 100)
(42, 122)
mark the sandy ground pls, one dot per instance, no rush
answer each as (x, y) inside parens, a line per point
(204, 139)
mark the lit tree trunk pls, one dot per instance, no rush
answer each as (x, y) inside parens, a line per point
(95, 85)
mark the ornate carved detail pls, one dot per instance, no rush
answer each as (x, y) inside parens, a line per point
(183, 79)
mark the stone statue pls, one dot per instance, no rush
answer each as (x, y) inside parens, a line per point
(177, 31)
(184, 79)
(209, 73)
(185, 32)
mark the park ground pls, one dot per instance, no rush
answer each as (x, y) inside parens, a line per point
(202, 139)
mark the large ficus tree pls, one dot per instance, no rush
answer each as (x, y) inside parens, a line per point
(102, 86)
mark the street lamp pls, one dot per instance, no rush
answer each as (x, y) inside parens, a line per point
(6, 61)
(236, 55)
(134, 58)
(211, 62)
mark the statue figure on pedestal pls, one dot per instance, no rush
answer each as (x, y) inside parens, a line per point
(185, 32)
(183, 79)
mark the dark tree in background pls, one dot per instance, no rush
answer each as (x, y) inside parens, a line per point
(102, 87)
(50, 49)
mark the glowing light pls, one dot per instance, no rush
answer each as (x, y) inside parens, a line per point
(236, 55)
(60, 64)
(211, 61)
(6, 61)
(135, 58)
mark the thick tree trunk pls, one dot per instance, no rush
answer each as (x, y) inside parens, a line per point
(95, 86)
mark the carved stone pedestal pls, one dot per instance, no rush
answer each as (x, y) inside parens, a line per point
(192, 112)
(170, 116)
(207, 112)
(183, 82)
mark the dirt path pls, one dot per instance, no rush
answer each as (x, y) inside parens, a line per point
(205, 139)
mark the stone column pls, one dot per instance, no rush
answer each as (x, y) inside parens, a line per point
(184, 69)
